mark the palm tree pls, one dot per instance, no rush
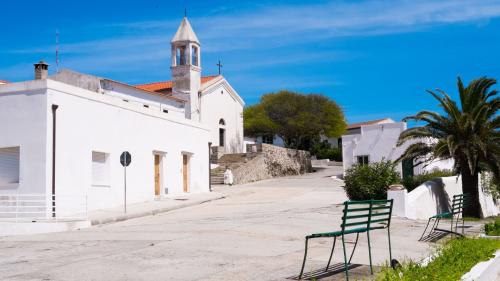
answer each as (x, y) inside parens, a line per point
(469, 133)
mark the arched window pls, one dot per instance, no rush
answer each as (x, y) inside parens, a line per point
(222, 132)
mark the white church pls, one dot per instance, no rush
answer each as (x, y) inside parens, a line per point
(62, 135)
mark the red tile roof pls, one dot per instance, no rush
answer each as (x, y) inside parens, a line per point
(4, 82)
(166, 86)
(359, 124)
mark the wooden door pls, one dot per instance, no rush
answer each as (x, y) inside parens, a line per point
(157, 175)
(185, 172)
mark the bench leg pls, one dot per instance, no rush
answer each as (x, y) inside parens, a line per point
(434, 225)
(389, 238)
(346, 267)
(423, 233)
(331, 254)
(303, 262)
(369, 252)
(463, 224)
(354, 249)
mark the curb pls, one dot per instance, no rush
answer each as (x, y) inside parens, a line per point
(152, 212)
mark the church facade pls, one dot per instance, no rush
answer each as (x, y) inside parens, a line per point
(63, 135)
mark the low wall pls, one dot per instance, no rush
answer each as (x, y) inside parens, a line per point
(433, 197)
(273, 161)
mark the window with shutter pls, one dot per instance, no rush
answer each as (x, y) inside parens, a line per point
(9, 165)
(100, 169)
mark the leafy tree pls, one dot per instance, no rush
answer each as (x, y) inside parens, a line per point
(298, 119)
(468, 133)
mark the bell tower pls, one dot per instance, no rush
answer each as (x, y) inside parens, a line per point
(186, 68)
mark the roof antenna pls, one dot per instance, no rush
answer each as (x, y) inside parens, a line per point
(57, 51)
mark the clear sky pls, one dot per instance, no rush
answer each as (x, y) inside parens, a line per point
(375, 58)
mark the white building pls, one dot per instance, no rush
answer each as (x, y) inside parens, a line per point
(376, 140)
(62, 135)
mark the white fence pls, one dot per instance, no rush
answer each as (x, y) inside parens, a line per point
(35, 207)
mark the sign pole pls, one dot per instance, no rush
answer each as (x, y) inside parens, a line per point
(125, 194)
(125, 159)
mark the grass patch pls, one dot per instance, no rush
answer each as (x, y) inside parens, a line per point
(471, 219)
(493, 228)
(456, 258)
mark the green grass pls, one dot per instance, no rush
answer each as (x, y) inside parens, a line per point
(493, 228)
(456, 258)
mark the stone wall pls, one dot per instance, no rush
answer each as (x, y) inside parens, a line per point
(273, 161)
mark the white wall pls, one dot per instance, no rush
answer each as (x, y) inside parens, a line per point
(139, 98)
(433, 197)
(105, 125)
(23, 123)
(217, 102)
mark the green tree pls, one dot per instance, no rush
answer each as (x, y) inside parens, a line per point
(468, 133)
(299, 119)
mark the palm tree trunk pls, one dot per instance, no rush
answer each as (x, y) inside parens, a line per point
(470, 185)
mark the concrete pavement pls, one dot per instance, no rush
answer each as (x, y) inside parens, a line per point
(255, 233)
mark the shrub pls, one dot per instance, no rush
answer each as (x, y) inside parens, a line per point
(455, 259)
(324, 150)
(363, 182)
(493, 228)
(412, 182)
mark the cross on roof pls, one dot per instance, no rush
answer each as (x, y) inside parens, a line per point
(219, 65)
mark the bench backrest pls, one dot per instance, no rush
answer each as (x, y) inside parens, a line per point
(356, 215)
(366, 214)
(381, 214)
(459, 203)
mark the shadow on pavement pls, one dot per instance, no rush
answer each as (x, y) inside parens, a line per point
(336, 272)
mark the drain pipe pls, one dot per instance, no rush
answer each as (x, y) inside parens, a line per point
(54, 109)
(209, 167)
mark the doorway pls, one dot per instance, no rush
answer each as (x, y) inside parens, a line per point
(185, 172)
(157, 175)
(222, 136)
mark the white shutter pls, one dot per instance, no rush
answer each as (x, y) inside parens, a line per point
(100, 168)
(9, 165)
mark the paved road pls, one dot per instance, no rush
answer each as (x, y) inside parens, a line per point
(256, 233)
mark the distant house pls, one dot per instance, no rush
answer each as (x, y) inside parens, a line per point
(353, 128)
(376, 140)
(2, 82)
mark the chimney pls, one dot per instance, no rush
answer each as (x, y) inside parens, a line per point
(41, 70)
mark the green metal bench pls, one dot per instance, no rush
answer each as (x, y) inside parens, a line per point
(459, 202)
(358, 217)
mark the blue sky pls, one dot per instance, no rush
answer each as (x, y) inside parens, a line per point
(375, 58)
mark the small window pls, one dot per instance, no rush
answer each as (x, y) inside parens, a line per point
(222, 122)
(269, 139)
(125, 100)
(146, 106)
(181, 55)
(9, 165)
(165, 111)
(363, 160)
(100, 169)
(194, 55)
